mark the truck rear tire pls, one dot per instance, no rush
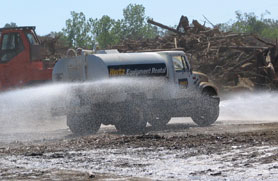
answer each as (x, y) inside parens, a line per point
(206, 112)
(83, 124)
(133, 121)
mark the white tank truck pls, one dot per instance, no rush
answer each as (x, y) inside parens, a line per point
(131, 89)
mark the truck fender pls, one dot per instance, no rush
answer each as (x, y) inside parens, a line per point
(201, 76)
(208, 89)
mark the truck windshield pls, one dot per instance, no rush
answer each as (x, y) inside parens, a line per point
(32, 39)
(179, 63)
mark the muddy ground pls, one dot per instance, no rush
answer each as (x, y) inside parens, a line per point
(227, 150)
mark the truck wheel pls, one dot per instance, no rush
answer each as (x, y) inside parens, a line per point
(206, 112)
(159, 122)
(132, 122)
(83, 124)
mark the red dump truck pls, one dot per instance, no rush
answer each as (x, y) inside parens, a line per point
(20, 58)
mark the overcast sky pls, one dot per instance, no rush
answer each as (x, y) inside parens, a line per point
(50, 15)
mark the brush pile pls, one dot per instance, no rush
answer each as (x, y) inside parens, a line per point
(53, 48)
(232, 61)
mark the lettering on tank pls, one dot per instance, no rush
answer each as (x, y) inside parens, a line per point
(157, 69)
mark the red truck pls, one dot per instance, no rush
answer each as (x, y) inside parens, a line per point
(20, 58)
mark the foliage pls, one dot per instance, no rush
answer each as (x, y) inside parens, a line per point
(250, 23)
(78, 31)
(10, 25)
(134, 23)
(61, 38)
(106, 31)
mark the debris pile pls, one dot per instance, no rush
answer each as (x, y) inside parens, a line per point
(53, 48)
(233, 61)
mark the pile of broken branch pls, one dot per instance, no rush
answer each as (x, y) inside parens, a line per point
(231, 60)
(53, 48)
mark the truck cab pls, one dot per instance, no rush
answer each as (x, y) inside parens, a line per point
(179, 69)
(20, 58)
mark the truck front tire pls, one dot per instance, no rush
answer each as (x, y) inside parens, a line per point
(83, 124)
(206, 111)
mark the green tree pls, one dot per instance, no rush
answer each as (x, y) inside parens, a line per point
(10, 25)
(250, 23)
(61, 38)
(134, 23)
(78, 31)
(107, 31)
(271, 31)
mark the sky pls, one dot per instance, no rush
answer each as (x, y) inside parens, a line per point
(50, 15)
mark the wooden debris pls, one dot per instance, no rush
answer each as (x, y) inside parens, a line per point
(163, 26)
(225, 56)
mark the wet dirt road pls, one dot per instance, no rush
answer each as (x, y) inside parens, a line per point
(33, 147)
(227, 150)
